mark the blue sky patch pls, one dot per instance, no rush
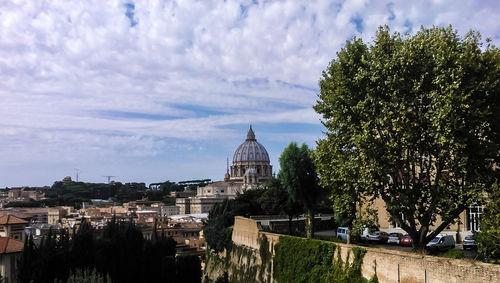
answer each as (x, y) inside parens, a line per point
(390, 9)
(130, 13)
(359, 23)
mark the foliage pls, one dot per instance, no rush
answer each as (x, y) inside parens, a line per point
(247, 203)
(74, 193)
(262, 201)
(216, 229)
(308, 260)
(277, 200)
(413, 120)
(330, 239)
(30, 203)
(167, 187)
(488, 240)
(366, 219)
(223, 279)
(119, 252)
(88, 276)
(454, 253)
(168, 200)
(298, 176)
(264, 252)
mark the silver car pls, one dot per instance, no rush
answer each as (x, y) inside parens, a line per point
(394, 238)
(469, 242)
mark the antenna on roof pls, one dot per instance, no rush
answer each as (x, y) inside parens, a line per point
(109, 177)
(227, 165)
(77, 170)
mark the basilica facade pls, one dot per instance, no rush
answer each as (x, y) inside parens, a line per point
(251, 168)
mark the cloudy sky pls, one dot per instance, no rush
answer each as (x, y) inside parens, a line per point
(165, 90)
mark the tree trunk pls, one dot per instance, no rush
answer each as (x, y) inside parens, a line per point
(290, 224)
(418, 240)
(349, 230)
(310, 224)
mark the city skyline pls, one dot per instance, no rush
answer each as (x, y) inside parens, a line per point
(149, 91)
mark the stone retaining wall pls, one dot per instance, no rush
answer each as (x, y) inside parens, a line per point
(390, 264)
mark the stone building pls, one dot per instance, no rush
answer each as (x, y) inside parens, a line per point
(251, 168)
(466, 224)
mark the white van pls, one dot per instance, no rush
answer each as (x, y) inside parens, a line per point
(342, 233)
(441, 243)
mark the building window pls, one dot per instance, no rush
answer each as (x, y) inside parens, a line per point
(222, 191)
(473, 218)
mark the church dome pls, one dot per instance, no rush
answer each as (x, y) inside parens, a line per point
(250, 150)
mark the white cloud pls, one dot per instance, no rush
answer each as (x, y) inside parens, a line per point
(68, 67)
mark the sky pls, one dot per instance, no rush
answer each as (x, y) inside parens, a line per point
(149, 91)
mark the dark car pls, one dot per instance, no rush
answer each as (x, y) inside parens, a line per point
(469, 242)
(377, 236)
(406, 241)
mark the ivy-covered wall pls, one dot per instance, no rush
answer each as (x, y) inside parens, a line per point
(308, 260)
(240, 263)
(295, 260)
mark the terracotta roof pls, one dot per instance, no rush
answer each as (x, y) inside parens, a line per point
(8, 245)
(11, 219)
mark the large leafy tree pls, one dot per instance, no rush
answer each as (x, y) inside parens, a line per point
(298, 176)
(413, 120)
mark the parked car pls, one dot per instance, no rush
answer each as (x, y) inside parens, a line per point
(342, 233)
(377, 236)
(394, 238)
(469, 242)
(406, 241)
(441, 243)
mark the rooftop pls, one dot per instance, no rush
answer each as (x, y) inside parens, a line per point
(8, 245)
(11, 219)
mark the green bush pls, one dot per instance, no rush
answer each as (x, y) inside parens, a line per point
(454, 253)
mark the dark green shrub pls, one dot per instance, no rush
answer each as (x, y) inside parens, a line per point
(454, 253)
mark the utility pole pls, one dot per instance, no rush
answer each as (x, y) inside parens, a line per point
(109, 178)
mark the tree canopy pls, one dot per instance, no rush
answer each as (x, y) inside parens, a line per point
(298, 176)
(412, 119)
(488, 240)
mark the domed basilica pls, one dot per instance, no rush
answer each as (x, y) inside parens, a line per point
(251, 168)
(250, 162)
